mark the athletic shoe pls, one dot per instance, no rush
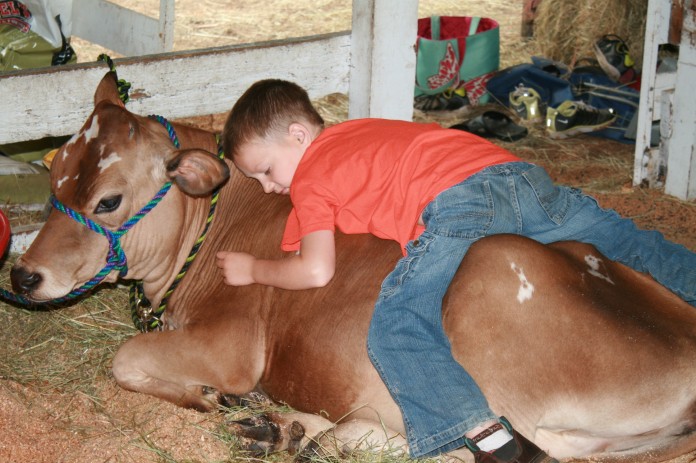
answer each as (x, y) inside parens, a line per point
(612, 55)
(527, 104)
(518, 450)
(574, 117)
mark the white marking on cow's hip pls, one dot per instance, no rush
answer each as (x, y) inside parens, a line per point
(105, 163)
(60, 182)
(593, 262)
(526, 288)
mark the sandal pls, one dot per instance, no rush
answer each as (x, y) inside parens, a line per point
(493, 124)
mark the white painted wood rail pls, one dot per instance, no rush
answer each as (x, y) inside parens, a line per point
(122, 30)
(56, 101)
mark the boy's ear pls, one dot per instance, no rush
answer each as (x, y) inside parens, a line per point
(300, 133)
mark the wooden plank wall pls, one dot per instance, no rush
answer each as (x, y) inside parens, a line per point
(56, 101)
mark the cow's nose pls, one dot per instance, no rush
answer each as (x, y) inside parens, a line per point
(24, 281)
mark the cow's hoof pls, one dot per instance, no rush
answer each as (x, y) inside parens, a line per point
(253, 400)
(261, 435)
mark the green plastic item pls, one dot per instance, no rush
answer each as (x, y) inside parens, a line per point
(25, 50)
(25, 189)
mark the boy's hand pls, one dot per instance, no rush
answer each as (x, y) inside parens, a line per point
(237, 267)
(312, 267)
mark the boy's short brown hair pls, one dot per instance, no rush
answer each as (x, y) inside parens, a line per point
(267, 106)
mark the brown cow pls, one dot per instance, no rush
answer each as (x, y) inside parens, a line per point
(585, 356)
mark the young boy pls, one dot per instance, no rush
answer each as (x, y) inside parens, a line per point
(435, 191)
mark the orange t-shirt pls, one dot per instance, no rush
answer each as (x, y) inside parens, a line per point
(376, 176)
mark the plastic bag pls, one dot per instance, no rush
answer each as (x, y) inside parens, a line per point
(31, 36)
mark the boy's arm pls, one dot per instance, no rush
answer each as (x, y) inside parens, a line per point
(312, 267)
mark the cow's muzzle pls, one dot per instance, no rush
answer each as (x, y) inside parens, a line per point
(24, 281)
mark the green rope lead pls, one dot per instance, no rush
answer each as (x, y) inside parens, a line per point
(122, 85)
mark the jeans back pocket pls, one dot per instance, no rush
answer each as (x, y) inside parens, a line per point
(552, 198)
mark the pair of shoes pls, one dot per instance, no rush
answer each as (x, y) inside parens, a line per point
(612, 54)
(448, 100)
(575, 117)
(527, 103)
(492, 124)
(517, 450)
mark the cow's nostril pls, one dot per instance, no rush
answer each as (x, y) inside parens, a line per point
(24, 281)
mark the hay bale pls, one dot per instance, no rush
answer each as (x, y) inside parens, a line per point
(565, 30)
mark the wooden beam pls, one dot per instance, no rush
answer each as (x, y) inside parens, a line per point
(56, 101)
(383, 59)
(681, 161)
(647, 159)
(122, 30)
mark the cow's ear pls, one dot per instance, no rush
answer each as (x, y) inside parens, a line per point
(197, 172)
(107, 90)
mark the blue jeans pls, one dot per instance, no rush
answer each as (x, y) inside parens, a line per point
(406, 340)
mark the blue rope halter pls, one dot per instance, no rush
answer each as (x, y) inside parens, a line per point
(116, 257)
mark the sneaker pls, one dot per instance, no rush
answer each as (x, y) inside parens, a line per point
(574, 117)
(518, 450)
(613, 57)
(527, 104)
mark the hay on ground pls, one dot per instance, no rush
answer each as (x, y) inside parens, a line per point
(566, 30)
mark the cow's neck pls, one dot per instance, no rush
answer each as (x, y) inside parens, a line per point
(192, 215)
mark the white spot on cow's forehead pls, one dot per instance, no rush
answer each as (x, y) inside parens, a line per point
(93, 130)
(524, 293)
(594, 263)
(68, 144)
(88, 134)
(60, 182)
(106, 162)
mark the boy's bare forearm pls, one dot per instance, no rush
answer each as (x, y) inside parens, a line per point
(290, 273)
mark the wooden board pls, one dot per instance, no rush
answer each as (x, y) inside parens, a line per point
(56, 101)
(127, 32)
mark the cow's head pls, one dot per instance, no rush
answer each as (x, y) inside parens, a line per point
(106, 173)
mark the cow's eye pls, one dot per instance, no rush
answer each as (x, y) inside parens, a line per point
(109, 204)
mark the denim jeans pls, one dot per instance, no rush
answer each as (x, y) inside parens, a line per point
(406, 342)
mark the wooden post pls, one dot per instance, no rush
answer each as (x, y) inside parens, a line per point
(681, 161)
(383, 58)
(649, 161)
(529, 9)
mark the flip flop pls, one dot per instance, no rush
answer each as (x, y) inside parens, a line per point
(493, 124)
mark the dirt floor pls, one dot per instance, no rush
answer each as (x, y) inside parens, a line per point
(61, 420)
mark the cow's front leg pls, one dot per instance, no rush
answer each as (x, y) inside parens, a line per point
(182, 368)
(315, 437)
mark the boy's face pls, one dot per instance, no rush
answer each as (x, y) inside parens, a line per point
(271, 161)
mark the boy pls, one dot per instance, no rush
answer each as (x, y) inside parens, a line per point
(435, 191)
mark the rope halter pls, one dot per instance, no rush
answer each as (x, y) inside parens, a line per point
(116, 257)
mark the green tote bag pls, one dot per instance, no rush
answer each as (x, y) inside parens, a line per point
(455, 52)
